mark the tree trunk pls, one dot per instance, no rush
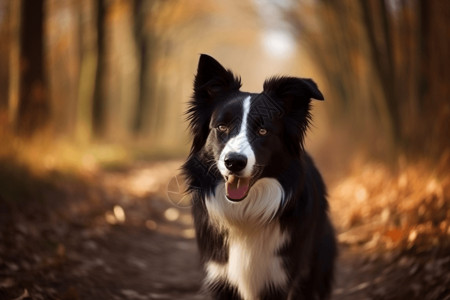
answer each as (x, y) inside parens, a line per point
(4, 59)
(34, 107)
(14, 61)
(89, 65)
(99, 92)
(63, 60)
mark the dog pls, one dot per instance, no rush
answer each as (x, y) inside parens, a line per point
(259, 202)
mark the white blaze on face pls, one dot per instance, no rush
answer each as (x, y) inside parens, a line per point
(239, 144)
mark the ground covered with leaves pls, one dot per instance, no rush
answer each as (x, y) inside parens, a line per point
(126, 233)
(394, 232)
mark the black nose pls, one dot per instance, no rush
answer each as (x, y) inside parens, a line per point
(235, 162)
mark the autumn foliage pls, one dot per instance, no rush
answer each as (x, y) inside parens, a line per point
(91, 91)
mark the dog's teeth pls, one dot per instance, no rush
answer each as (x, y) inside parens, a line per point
(232, 179)
(243, 182)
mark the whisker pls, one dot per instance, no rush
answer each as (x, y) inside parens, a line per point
(214, 173)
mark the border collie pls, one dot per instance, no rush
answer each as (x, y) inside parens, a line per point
(259, 203)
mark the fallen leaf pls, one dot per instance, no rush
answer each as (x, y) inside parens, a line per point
(25, 295)
(7, 283)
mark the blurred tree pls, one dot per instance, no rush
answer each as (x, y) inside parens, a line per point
(117, 82)
(14, 60)
(433, 76)
(4, 56)
(88, 69)
(34, 106)
(113, 69)
(377, 58)
(144, 43)
(99, 90)
(62, 50)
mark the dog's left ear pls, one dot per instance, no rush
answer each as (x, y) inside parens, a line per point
(292, 89)
(294, 95)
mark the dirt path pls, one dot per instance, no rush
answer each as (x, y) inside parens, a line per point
(117, 235)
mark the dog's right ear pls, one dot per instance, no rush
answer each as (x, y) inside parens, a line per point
(212, 83)
(212, 79)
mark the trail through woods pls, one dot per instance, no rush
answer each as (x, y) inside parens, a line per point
(117, 234)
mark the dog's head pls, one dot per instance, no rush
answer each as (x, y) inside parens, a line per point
(249, 135)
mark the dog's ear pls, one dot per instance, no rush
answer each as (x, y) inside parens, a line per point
(292, 89)
(212, 78)
(212, 84)
(294, 95)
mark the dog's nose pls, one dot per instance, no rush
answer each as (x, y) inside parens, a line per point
(235, 162)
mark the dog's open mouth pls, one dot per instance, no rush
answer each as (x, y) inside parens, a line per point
(237, 187)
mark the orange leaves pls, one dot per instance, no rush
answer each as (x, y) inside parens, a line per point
(395, 235)
(385, 209)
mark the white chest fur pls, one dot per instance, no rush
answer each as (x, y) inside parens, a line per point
(253, 239)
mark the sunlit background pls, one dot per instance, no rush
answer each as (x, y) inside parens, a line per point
(92, 132)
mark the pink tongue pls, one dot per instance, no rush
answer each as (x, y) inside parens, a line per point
(237, 187)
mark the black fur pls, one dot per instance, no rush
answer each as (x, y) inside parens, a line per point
(284, 108)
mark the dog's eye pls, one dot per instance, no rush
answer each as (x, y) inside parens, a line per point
(222, 128)
(262, 131)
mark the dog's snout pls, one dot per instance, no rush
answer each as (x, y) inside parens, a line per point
(235, 162)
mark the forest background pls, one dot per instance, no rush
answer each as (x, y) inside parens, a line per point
(92, 96)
